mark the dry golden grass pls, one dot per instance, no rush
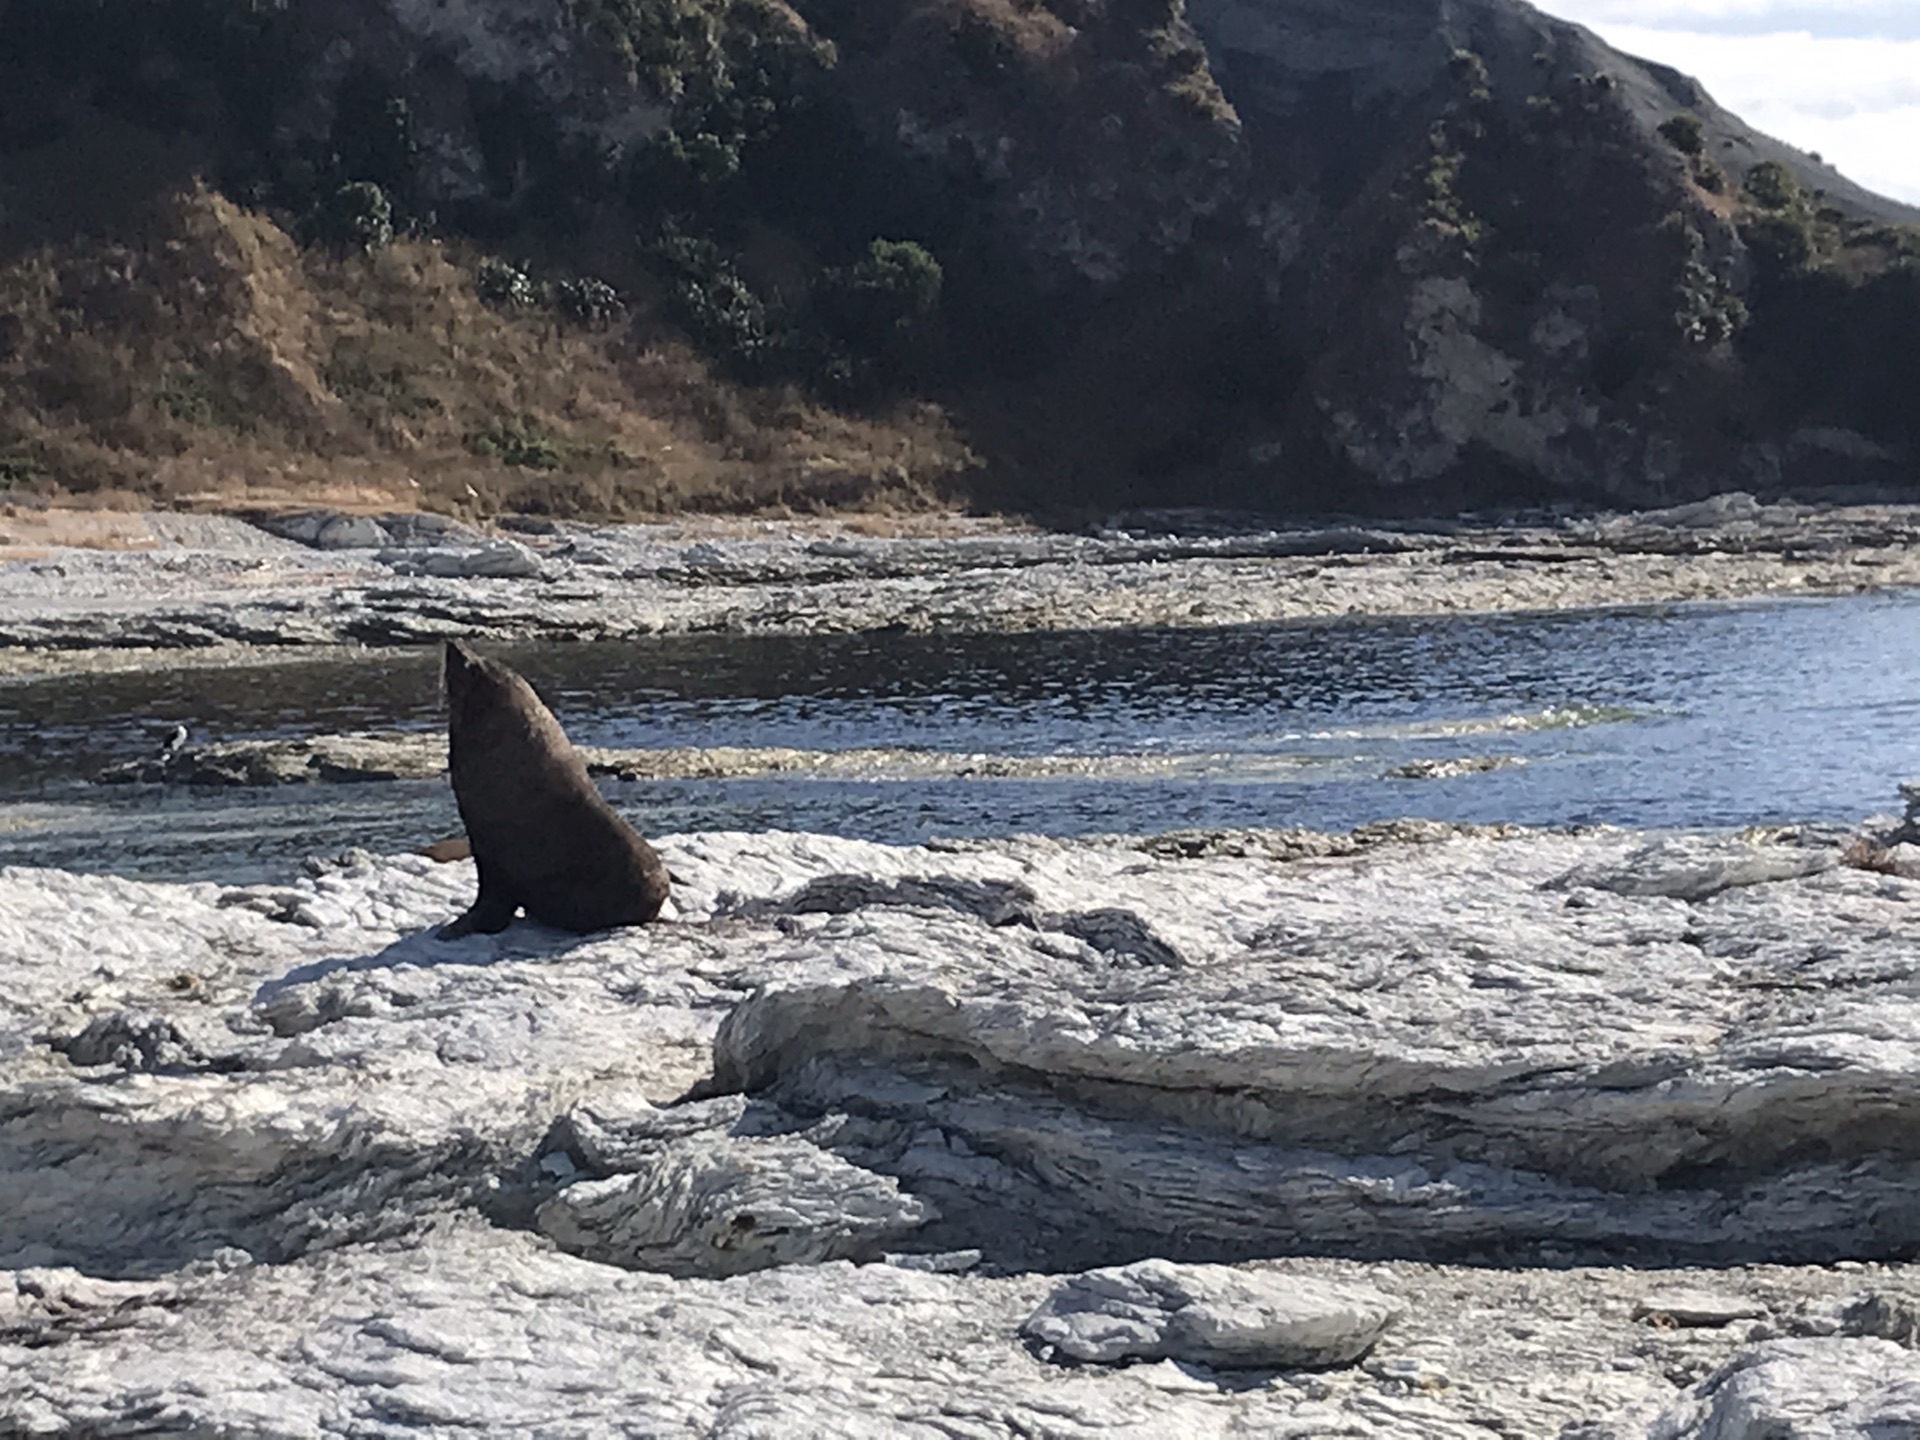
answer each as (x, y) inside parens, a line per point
(194, 355)
(29, 532)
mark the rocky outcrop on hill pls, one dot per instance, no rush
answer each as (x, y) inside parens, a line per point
(991, 1138)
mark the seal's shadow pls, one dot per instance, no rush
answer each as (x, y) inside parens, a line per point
(424, 950)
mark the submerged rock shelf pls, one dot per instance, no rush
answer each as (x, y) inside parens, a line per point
(828, 1148)
(350, 759)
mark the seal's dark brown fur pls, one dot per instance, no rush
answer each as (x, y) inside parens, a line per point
(543, 837)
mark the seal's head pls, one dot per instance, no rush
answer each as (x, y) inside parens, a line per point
(495, 718)
(471, 681)
(457, 664)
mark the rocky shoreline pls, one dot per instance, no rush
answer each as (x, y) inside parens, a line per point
(1425, 1129)
(956, 1140)
(216, 590)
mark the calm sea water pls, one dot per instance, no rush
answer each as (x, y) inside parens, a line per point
(1673, 716)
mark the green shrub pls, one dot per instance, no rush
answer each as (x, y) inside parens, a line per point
(709, 297)
(1684, 132)
(358, 216)
(883, 299)
(1469, 75)
(1441, 200)
(19, 468)
(519, 440)
(727, 67)
(192, 397)
(735, 75)
(1706, 311)
(500, 283)
(1782, 240)
(1772, 186)
(659, 37)
(707, 159)
(587, 301)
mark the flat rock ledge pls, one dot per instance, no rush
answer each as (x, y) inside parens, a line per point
(400, 755)
(1209, 1315)
(217, 589)
(1597, 1136)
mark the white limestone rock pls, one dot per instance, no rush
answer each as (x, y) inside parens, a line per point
(1819, 1389)
(212, 596)
(1695, 867)
(1903, 859)
(721, 1205)
(317, 1143)
(327, 529)
(1423, 1050)
(495, 560)
(1209, 1315)
(1696, 1308)
(483, 1330)
(1887, 1315)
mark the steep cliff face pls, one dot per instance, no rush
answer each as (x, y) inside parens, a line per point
(1510, 279)
(1295, 253)
(1401, 254)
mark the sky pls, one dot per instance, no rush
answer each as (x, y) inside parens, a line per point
(1840, 77)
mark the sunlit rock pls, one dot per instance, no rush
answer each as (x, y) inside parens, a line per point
(706, 1199)
(1209, 1315)
(821, 1145)
(1831, 1389)
(497, 560)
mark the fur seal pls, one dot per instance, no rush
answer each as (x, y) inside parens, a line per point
(543, 837)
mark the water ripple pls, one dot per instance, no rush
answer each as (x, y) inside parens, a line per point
(1676, 715)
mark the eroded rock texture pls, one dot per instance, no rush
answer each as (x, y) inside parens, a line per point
(860, 1136)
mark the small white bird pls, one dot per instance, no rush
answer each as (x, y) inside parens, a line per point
(176, 742)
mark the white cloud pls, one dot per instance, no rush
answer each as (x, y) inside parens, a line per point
(1829, 17)
(1854, 99)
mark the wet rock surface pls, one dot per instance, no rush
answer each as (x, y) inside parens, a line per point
(1414, 1138)
(227, 589)
(396, 755)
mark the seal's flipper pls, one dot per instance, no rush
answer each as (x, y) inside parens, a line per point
(482, 919)
(488, 915)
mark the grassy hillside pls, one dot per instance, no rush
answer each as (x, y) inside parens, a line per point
(182, 348)
(195, 314)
